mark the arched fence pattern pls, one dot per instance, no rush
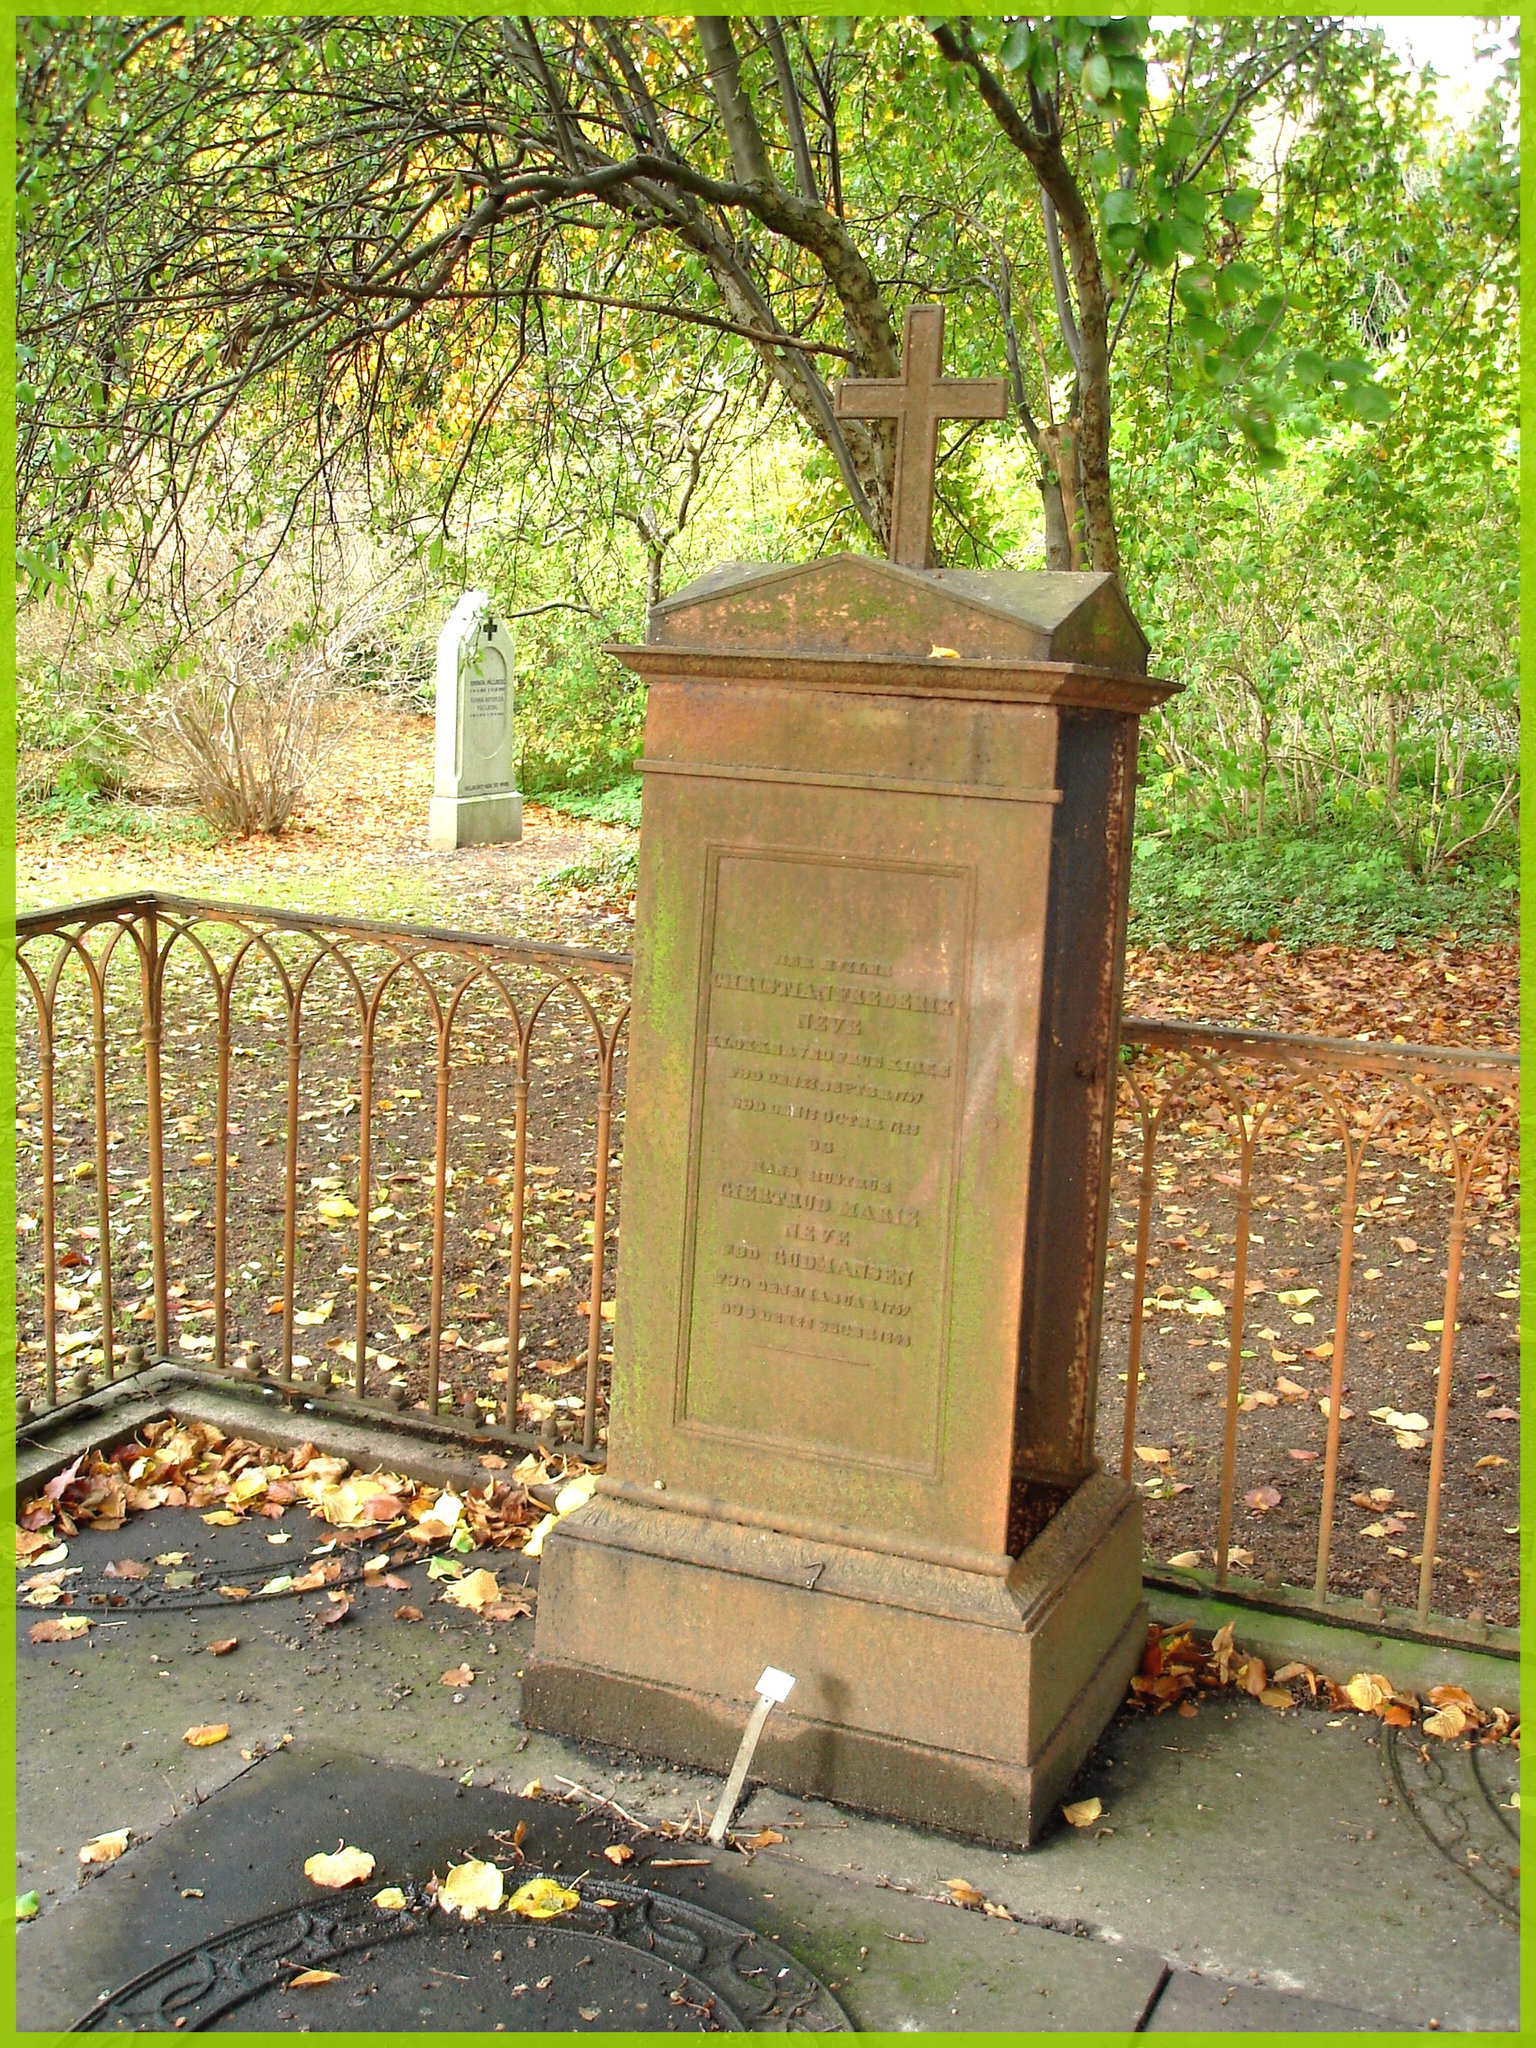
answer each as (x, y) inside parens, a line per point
(152, 1024)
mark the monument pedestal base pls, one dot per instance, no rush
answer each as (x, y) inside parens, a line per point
(956, 1699)
(474, 821)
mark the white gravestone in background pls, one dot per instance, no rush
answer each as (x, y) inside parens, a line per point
(475, 800)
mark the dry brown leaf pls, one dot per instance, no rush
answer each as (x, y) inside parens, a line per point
(963, 1892)
(236, 1592)
(765, 1838)
(406, 1612)
(206, 1734)
(69, 1629)
(223, 1647)
(619, 1852)
(1275, 1696)
(336, 1871)
(126, 1568)
(460, 1674)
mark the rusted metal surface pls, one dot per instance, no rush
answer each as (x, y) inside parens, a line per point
(1350, 1086)
(1247, 1078)
(309, 971)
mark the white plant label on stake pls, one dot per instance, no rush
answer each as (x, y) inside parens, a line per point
(772, 1689)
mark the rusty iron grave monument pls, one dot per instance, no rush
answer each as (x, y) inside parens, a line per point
(880, 934)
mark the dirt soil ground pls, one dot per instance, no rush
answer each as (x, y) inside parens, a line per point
(360, 846)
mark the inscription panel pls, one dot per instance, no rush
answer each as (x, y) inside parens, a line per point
(486, 759)
(826, 1113)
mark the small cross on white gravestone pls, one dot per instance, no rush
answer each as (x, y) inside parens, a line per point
(474, 796)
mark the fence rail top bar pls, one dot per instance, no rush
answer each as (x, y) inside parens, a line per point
(1491, 1067)
(30, 923)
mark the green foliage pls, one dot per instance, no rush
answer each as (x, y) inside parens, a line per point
(579, 712)
(611, 872)
(617, 805)
(1312, 889)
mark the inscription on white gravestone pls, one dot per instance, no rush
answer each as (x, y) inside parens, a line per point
(475, 800)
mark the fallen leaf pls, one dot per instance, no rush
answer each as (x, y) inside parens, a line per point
(1503, 1414)
(1151, 1456)
(306, 1978)
(1186, 1559)
(338, 1607)
(1368, 1692)
(405, 1612)
(1082, 1813)
(534, 1789)
(1447, 1724)
(477, 1592)
(541, 1898)
(963, 1892)
(1345, 1414)
(1406, 1245)
(1298, 1297)
(236, 1592)
(1452, 1696)
(68, 1628)
(28, 1905)
(1261, 1499)
(223, 1646)
(620, 1852)
(470, 1889)
(459, 1675)
(391, 1899)
(205, 1736)
(1484, 1464)
(106, 1848)
(126, 1568)
(1275, 1696)
(221, 1518)
(336, 1871)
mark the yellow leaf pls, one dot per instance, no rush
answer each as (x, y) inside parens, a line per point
(1082, 1813)
(534, 1547)
(937, 653)
(106, 1848)
(391, 1899)
(1275, 1696)
(1369, 1692)
(205, 1736)
(541, 1898)
(575, 1493)
(335, 1872)
(533, 1789)
(221, 1518)
(1448, 1723)
(308, 1977)
(963, 1892)
(478, 1591)
(470, 1888)
(1150, 1456)
(337, 1208)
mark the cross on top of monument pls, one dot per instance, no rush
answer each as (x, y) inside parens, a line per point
(917, 400)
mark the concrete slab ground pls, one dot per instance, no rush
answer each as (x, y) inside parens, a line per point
(1251, 1871)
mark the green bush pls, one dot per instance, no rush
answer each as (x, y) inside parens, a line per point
(1311, 889)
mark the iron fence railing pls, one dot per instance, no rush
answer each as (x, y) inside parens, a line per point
(179, 1062)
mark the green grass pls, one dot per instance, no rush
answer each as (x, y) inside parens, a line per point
(1326, 888)
(82, 815)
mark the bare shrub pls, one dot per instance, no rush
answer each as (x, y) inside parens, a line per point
(248, 732)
